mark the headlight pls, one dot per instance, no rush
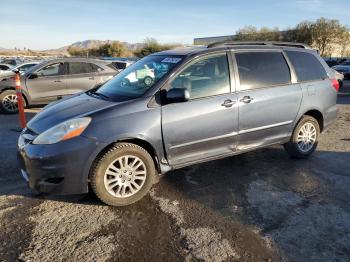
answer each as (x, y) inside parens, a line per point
(64, 131)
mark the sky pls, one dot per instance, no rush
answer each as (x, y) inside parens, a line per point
(49, 24)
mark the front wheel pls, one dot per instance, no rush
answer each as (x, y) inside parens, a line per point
(8, 102)
(304, 138)
(123, 175)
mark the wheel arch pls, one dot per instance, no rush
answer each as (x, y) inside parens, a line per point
(137, 141)
(317, 115)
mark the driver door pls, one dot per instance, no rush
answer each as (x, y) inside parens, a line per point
(205, 126)
(49, 83)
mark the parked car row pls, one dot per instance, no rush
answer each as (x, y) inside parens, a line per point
(52, 80)
(332, 61)
(343, 68)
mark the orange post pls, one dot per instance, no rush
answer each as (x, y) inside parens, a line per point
(22, 116)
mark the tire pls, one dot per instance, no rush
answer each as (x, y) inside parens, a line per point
(8, 102)
(105, 172)
(301, 146)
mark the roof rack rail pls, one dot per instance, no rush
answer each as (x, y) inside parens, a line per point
(267, 43)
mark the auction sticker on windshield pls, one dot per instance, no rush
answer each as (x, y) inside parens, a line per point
(173, 60)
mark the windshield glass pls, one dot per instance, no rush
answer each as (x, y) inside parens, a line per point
(136, 79)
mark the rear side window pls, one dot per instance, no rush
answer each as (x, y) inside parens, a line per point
(95, 68)
(79, 68)
(120, 65)
(306, 66)
(3, 67)
(262, 69)
(117, 65)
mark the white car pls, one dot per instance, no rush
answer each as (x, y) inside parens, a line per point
(9, 74)
(145, 75)
(22, 68)
(5, 67)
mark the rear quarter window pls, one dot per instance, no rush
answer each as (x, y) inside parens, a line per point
(306, 66)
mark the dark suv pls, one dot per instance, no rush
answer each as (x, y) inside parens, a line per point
(54, 79)
(200, 104)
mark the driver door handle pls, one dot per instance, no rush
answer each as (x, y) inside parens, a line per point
(247, 99)
(228, 103)
(57, 81)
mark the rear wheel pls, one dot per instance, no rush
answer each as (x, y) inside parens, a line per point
(8, 102)
(123, 175)
(304, 139)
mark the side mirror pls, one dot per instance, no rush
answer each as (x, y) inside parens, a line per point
(33, 76)
(176, 95)
(16, 71)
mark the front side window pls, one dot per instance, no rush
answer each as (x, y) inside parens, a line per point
(136, 79)
(262, 69)
(25, 67)
(51, 70)
(207, 77)
(79, 68)
(306, 66)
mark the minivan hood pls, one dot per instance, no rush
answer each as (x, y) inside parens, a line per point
(62, 110)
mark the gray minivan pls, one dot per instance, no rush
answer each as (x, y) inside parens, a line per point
(54, 79)
(177, 108)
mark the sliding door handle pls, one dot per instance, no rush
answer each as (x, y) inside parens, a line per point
(247, 99)
(228, 103)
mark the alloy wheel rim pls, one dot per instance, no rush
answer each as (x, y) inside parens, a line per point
(148, 81)
(306, 137)
(9, 103)
(125, 176)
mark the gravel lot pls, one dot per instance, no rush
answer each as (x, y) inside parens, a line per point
(259, 206)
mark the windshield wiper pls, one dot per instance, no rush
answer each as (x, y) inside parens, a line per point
(98, 94)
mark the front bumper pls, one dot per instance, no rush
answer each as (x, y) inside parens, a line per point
(60, 168)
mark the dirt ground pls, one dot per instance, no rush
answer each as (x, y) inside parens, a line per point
(259, 206)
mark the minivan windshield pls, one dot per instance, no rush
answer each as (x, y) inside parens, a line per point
(136, 79)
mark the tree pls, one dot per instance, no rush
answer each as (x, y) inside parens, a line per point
(328, 36)
(151, 46)
(251, 33)
(344, 43)
(326, 33)
(114, 49)
(302, 33)
(76, 51)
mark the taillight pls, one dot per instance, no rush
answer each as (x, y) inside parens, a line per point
(335, 84)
